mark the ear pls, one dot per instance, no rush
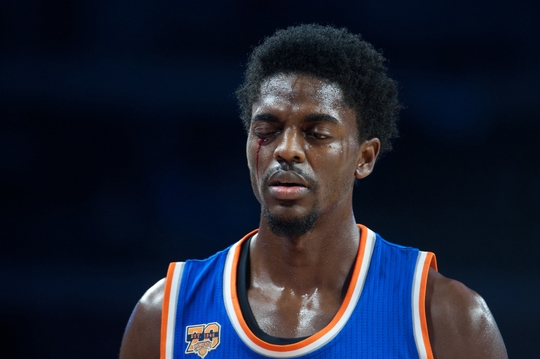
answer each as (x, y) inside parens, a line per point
(369, 150)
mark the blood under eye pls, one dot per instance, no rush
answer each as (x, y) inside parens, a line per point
(266, 136)
(263, 137)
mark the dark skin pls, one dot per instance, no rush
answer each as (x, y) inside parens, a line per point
(297, 281)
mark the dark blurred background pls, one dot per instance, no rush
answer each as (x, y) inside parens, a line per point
(121, 150)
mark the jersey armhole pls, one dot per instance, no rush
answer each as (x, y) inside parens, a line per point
(168, 311)
(425, 261)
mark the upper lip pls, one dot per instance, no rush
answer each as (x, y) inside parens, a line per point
(289, 178)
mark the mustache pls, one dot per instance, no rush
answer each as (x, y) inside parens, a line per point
(291, 167)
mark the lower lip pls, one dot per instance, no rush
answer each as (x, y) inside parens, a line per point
(287, 192)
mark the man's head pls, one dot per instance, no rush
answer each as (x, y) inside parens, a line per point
(335, 56)
(319, 108)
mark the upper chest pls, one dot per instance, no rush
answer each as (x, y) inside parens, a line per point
(285, 314)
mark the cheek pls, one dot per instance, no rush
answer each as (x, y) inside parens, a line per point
(251, 150)
(340, 162)
(335, 155)
(254, 153)
(259, 144)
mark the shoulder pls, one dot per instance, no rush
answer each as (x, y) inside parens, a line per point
(142, 335)
(459, 321)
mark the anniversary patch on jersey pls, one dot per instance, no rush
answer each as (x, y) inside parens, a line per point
(202, 338)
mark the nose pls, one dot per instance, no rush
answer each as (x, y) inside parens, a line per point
(290, 147)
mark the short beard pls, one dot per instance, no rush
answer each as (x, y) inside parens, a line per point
(290, 228)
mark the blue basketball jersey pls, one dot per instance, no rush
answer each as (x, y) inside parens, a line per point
(382, 314)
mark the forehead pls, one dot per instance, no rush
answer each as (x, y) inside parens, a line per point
(296, 89)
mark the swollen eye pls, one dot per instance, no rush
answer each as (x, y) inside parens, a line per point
(263, 138)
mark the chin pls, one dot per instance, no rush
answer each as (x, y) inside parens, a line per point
(290, 226)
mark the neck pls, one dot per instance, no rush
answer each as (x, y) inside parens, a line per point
(318, 260)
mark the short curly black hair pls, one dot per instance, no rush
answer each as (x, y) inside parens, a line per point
(334, 55)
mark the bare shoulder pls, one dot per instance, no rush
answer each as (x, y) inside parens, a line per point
(142, 335)
(459, 321)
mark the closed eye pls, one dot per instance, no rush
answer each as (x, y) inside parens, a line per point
(318, 136)
(266, 136)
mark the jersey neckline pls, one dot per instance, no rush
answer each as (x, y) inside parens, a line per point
(242, 280)
(315, 341)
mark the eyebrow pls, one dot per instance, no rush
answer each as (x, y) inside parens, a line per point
(265, 117)
(321, 117)
(315, 117)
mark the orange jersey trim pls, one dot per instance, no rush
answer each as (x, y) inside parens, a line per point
(430, 262)
(426, 260)
(165, 310)
(169, 309)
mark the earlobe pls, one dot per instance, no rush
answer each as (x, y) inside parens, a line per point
(359, 171)
(369, 150)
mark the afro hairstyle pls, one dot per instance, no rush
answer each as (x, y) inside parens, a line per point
(335, 56)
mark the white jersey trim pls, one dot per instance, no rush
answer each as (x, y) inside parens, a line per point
(230, 297)
(417, 303)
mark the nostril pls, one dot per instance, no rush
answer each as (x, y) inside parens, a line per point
(289, 150)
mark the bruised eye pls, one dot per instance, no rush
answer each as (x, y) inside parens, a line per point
(266, 136)
(265, 131)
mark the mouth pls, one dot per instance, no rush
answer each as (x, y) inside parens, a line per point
(287, 179)
(287, 185)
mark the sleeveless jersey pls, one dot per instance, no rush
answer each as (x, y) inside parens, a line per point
(382, 314)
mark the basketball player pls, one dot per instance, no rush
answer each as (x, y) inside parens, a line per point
(310, 282)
